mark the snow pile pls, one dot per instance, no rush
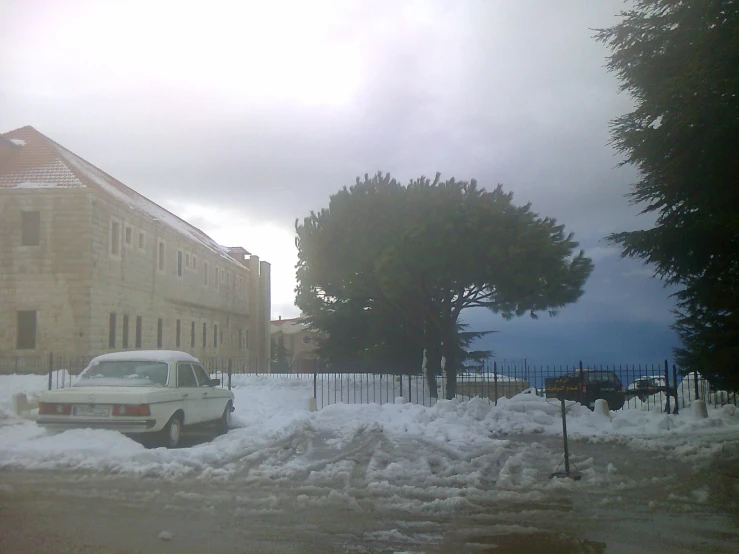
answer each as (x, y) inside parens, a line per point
(31, 385)
(425, 459)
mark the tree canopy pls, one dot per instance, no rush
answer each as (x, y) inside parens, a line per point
(386, 270)
(679, 60)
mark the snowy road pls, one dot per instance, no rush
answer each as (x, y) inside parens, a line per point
(459, 477)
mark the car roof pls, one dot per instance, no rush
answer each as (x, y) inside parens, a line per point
(146, 355)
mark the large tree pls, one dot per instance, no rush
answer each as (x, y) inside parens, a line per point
(418, 255)
(680, 62)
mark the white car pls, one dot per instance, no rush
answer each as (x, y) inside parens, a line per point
(152, 393)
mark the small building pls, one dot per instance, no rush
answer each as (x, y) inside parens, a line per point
(91, 266)
(299, 343)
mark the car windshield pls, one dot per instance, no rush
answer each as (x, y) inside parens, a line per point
(127, 373)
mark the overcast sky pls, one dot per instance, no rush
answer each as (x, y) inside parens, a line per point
(243, 116)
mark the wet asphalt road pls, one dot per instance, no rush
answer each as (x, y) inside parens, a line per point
(660, 505)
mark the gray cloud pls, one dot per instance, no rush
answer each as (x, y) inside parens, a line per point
(506, 92)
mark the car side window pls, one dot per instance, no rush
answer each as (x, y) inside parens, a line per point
(202, 376)
(185, 376)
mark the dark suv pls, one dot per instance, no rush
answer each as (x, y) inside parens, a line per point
(586, 387)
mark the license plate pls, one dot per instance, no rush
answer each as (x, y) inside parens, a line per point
(87, 411)
(607, 389)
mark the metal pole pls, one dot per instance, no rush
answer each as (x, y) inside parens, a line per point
(674, 378)
(667, 385)
(495, 381)
(564, 435)
(230, 372)
(582, 382)
(51, 367)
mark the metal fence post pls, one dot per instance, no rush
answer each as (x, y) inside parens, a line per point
(315, 383)
(667, 385)
(495, 381)
(230, 372)
(582, 383)
(51, 367)
(674, 378)
(410, 400)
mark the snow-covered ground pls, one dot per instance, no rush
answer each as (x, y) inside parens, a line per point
(457, 457)
(272, 412)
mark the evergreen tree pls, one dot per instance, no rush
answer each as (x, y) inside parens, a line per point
(386, 262)
(280, 357)
(680, 62)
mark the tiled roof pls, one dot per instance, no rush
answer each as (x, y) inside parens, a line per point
(39, 162)
(289, 326)
(34, 164)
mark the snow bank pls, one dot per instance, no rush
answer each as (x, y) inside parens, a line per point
(426, 459)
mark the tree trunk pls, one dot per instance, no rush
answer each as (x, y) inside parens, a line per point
(433, 368)
(451, 374)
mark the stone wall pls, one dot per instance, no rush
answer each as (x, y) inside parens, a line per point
(76, 278)
(132, 283)
(52, 278)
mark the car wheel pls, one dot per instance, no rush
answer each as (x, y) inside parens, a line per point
(224, 424)
(170, 436)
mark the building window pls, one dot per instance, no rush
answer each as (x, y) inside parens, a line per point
(111, 331)
(187, 260)
(160, 332)
(215, 336)
(142, 244)
(26, 325)
(115, 237)
(205, 333)
(177, 334)
(215, 278)
(205, 273)
(124, 341)
(30, 228)
(194, 263)
(223, 275)
(241, 339)
(179, 263)
(192, 335)
(139, 325)
(161, 256)
(129, 236)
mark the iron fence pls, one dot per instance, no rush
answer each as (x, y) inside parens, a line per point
(650, 387)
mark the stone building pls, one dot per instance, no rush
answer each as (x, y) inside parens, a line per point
(90, 266)
(299, 342)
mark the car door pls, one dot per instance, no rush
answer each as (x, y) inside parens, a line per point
(215, 403)
(188, 390)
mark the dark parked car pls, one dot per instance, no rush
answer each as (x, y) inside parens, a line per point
(586, 387)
